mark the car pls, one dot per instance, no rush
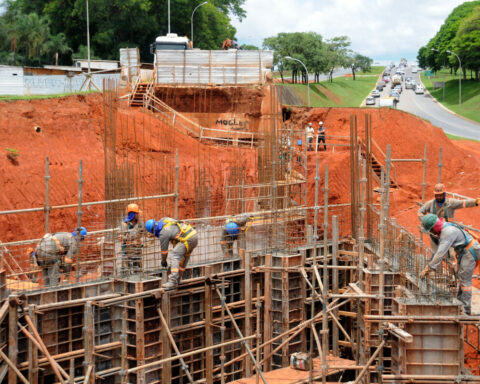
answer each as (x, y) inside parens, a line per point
(398, 88)
(382, 83)
(379, 87)
(375, 93)
(414, 70)
(409, 84)
(409, 78)
(386, 79)
(370, 100)
(419, 90)
(395, 95)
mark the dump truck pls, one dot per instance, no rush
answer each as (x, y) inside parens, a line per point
(396, 79)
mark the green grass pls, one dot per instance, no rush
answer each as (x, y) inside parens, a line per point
(376, 70)
(276, 74)
(34, 97)
(343, 92)
(453, 137)
(470, 107)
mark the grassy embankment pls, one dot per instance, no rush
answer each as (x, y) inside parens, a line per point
(34, 97)
(470, 107)
(342, 92)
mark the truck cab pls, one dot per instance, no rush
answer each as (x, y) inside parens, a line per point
(170, 42)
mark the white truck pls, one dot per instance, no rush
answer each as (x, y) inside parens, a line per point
(170, 42)
(396, 79)
(387, 102)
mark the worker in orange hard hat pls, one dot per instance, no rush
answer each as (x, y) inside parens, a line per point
(444, 207)
(132, 231)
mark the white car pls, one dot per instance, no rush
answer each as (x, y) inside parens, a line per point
(370, 100)
(375, 93)
(419, 90)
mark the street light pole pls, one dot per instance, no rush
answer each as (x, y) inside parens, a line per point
(191, 21)
(459, 77)
(306, 71)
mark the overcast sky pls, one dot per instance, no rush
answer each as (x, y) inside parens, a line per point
(384, 30)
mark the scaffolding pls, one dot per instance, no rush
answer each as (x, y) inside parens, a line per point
(340, 282)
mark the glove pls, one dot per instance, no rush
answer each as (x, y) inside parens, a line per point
(164, 264)
(425, 271)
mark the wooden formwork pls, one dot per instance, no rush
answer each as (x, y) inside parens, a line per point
(437, 347)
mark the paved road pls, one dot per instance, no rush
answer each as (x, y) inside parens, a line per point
(425, 107)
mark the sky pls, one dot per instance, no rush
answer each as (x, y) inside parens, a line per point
(384, 30)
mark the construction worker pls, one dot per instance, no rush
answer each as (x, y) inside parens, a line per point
(184, 239)
(234, 227)
(230, 44)
(466, 248)
(310, 133)
(321, 135)
(444, 207)
(55, 252)
(132, 230)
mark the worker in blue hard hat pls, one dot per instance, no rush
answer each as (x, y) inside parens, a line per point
(234, 229)
(55, 252)
(132, 231)
(184, 239)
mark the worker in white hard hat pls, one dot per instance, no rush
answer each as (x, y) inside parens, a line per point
(310, 133)
(321, 135)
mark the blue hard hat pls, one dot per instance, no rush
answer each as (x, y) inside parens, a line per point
(149, 225)
(232, 228)
(299, 142)
(82, 231)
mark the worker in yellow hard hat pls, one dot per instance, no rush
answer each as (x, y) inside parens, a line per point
(132, 230)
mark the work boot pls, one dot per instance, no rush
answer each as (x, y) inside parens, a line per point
(172, 283)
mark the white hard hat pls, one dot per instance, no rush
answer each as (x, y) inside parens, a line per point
(320, 122)
(309, 124)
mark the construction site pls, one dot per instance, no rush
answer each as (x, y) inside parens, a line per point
(329, 266)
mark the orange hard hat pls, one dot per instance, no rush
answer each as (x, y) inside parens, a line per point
(29, 251)
(133, 208)
(439, 189)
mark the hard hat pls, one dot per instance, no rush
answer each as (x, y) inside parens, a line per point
(30, 251)
(428, 221)
(82, 231)
(133, 208)
(232, 228)
(149, 225)
(309, 124)
(439, 189)
(320, 122)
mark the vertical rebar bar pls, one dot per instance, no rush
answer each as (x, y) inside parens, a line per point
(335, 238)
(424, 185)
(47, 195)
(222, 338)
(440, 165)
(79, 222)
(315, 239)
(258, 307)
(176, 183)
(325, 283)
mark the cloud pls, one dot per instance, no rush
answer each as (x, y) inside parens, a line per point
(377, 28)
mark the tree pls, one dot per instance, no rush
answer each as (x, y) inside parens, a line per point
(249, 47)
(467, 43)
(359, 61)
(337, 53)
(57, 44)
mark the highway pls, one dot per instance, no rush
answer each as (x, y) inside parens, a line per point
(425, 107)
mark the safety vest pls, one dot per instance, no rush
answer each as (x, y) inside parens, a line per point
(186, 231)
(467, 246)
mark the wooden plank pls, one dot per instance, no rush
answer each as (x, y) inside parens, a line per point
(32, 350)
(208, 304)
(12, 341)
(166, 347)
(267, 329)
(140, 333)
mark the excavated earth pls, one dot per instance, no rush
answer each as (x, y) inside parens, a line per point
(71, 129)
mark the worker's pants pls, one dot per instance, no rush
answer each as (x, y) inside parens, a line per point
(179, 258)
(51, 275)
(464, 274)
(319, 140)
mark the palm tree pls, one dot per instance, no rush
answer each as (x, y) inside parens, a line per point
(57, 44)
